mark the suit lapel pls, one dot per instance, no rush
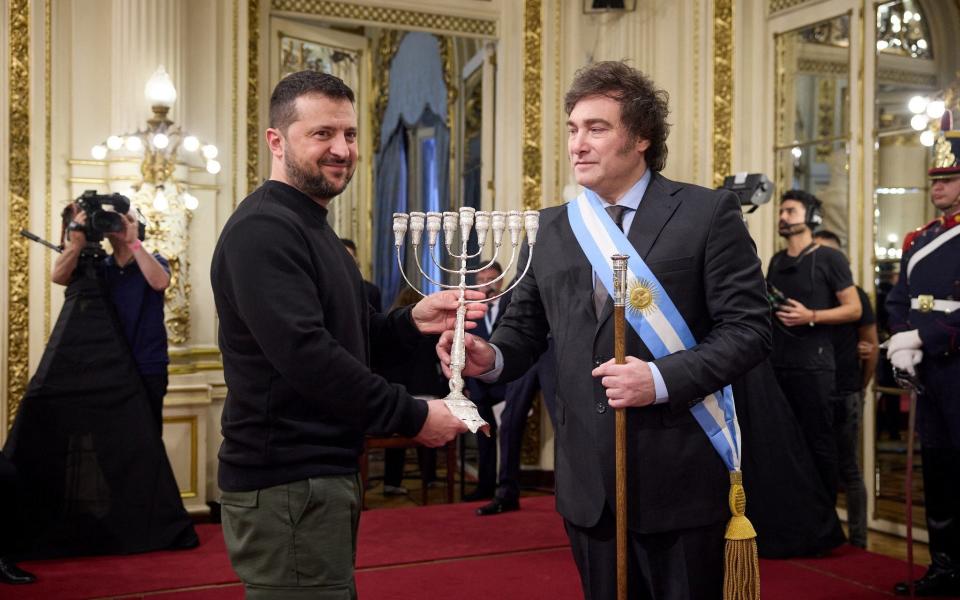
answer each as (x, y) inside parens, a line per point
(658, 205)
(582, 274)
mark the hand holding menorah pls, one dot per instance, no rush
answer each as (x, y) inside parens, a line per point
(487, 225)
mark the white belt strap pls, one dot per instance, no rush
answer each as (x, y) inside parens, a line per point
(930, 304)
(922, 253)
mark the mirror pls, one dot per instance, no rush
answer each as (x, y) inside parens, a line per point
(813, 116)
(906, 85)
(424, 109)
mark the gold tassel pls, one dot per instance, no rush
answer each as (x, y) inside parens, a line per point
(741, 569)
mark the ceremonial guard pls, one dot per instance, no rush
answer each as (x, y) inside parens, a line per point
(924, 309)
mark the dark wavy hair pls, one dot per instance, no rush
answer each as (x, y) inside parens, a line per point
(809, 201)
(643, 107)
(283, 101)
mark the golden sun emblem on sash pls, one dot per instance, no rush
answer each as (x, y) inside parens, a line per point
(642, 297)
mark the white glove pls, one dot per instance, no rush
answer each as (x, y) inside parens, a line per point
(907, 360)
(905, 340)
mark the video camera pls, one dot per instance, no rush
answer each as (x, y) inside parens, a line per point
(753, 189)
(101, 220)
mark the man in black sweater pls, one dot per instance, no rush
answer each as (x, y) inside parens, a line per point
(298, 338)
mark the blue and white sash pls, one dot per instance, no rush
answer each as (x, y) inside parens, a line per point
(659, 325)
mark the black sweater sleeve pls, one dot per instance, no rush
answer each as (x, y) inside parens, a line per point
(277, 290)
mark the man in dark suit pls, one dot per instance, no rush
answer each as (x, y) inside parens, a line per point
(696, 245)
(487, 395)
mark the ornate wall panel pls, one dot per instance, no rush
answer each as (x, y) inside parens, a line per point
(47, 158)
(234, 103)
(533, 108)
(781, 5)
(18, 302)
(253, 94)
(722, 89)
(389, 17)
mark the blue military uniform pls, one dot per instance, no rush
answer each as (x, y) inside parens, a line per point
(926, 298)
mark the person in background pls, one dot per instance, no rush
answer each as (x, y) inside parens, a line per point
(856, 351)
(373, 292)
(818, 291)
(924, 310)
(488, 395)
(420, 373)
(135, 281)
(10, 573)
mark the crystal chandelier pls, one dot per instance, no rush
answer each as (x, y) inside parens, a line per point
(160, 144)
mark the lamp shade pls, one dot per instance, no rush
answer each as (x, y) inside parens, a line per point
(159, 89)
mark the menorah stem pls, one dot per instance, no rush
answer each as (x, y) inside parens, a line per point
(458, 357)
(460, 405)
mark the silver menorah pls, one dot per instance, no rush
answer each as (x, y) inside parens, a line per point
(460, 225)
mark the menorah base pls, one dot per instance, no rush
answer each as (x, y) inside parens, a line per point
(465, 410)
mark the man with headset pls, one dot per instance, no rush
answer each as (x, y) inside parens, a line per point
(812, 289)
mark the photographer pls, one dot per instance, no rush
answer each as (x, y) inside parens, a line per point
(134, 282)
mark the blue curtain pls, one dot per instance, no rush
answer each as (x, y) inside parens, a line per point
(417, 99)
(390, 197)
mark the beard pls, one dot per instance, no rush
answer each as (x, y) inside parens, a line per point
(789, 229)
(315, 185)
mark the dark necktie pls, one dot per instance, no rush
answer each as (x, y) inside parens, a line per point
(600, 294)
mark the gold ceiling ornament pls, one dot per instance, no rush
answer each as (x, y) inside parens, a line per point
(18, 267)
(390, 17)
(253, 95)
(722, 90)
(533, 104)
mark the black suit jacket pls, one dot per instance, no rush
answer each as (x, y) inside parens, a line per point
(695, 242)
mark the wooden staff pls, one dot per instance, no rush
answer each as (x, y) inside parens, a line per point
(908, 485)
(620, 354)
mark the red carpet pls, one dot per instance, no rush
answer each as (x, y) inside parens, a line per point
(439, 551)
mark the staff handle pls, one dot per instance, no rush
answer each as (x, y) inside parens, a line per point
(620, 355)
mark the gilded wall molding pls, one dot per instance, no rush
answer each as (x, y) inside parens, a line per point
(450, 82)
(387, 46)
(390, 17)
(234, 103)
(47, 158)
(722, 89)
(823, 67)
(696, 95)
(192, 422)
(533, 104)
(532, 163)
(253, 95)
(18, 268)
(782, 5)
(900, 76)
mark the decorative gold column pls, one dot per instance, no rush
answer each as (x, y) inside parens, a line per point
(722, 89)
(532, 164)
(18, 282)
(253, 94)
(532, 113)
